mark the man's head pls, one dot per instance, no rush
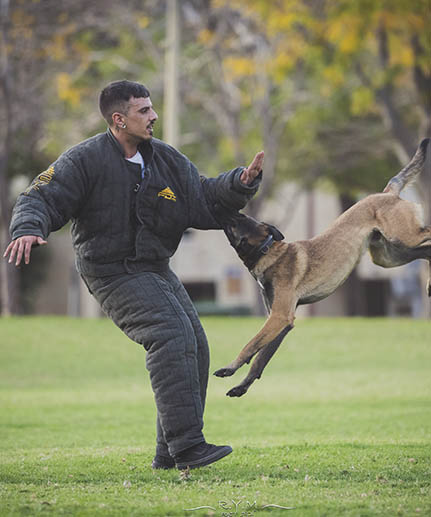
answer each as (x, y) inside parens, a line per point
(127, 107)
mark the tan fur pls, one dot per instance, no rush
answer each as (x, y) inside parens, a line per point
(307, 271)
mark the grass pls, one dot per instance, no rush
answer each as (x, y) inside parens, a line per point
(338, 425)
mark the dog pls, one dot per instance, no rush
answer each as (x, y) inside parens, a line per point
(303, 272)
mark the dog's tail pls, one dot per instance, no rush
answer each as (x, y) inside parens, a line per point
(410, 171)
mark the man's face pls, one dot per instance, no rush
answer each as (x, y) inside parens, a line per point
(140, 118)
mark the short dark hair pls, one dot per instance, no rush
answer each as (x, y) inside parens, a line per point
(116, 95)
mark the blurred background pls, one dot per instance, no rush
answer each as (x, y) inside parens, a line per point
(337, 93)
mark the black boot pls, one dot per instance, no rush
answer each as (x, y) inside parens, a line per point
(163, 462)
(200, 455)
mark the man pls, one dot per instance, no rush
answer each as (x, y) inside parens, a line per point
(130, 197)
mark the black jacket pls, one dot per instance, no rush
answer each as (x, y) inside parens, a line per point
(120, 222)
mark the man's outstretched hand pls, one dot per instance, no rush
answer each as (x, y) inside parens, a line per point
(253, 170)
(22, 246)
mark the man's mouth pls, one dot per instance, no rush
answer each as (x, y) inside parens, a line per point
(150, 128)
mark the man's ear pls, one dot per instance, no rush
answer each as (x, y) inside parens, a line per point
(275, 232)
(117, 119)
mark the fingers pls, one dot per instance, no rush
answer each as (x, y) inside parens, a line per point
(253, 170)
(245, 177)
(8, 249)
(21, 247)
(11, 250)
(27, 251)
(257, 162)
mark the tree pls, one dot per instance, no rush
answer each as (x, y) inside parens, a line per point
(236, 80)
(383, 49)
(334, 88)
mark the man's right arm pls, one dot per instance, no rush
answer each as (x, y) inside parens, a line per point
(53, 198)
(228, 192)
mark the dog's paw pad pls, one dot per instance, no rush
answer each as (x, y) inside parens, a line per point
(224, 372)
(238, 391)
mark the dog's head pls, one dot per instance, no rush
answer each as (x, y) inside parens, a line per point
(246, 235)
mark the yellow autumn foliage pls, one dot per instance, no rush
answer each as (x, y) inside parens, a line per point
(66, 91)
(56, 48)
(334, 74)
(362, 101)
(280, 65)
(237, 67)
(205, 36)
(281, 21)
(143, 21)
(22, 25)
(401, 54)
(344, 32)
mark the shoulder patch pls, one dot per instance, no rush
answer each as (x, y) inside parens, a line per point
(42, 179)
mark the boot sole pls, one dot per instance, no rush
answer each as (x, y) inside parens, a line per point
(158, 466)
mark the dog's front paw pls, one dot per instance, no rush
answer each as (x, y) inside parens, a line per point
(238, 391)
(224, 372)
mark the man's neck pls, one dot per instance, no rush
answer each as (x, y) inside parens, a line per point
(129, 145)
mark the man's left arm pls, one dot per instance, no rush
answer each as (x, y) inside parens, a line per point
(228, 192)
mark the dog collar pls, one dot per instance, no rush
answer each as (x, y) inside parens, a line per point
(263, 249)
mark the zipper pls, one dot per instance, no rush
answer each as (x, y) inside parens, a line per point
(139, 189)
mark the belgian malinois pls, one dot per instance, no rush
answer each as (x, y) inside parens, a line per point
(302, 272)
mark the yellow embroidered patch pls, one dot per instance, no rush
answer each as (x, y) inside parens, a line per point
(43, 179)
(167, 194)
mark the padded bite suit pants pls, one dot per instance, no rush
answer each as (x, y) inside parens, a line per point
(154, 310)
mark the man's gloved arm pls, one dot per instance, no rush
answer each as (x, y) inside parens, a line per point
(230, 191)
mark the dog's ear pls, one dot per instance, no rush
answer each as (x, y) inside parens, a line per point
(275, 232)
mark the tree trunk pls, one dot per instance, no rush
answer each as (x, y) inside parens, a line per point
(9, 275)
(9, 298)
(9, 283)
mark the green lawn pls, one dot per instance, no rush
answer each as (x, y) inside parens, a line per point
(339, 424)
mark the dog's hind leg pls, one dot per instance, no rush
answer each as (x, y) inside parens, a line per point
(259, 364)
